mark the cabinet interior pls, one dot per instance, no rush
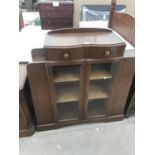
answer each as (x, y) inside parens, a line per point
(66, 73)
(67, 90)
(101, 71)
(67, 83)
(99, 89)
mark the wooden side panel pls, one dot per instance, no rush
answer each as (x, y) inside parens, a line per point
(121, 86)
(131, 107)
(40, 93)
(124, 24)
(23, 113)
(132, 34)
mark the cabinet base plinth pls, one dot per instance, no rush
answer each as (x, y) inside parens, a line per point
(67, 123)
(27, 132)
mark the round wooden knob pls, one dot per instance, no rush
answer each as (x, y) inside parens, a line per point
(107, 53)
(66, 55)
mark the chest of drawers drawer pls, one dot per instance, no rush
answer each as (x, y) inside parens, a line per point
(64, 54)
(53, 14)
(56, 23)
(51, 7)
(104, 52)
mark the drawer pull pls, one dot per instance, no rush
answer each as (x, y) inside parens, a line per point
(66, 55)
(107, 53)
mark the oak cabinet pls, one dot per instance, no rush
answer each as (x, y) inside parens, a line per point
(70, 87)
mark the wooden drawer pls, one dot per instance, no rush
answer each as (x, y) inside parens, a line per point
(104, 52)
(62, 6)
(55, 14)
(64, 54)
(56, 23)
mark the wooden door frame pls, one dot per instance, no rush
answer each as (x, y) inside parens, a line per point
(87, 81)
(51, 83)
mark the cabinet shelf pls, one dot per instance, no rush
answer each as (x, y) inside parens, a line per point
(66, 74)
(100, 74)
(97, 92)
(67, 93)
(66, 77)
(98, 71)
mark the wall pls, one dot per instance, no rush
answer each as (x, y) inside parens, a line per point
(130, 6)
(77, 3)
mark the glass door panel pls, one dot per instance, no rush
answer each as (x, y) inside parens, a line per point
(68, 111)
(96, 108)
(67, 91)
(100, 84)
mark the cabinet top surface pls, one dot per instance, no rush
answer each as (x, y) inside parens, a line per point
(79, 37)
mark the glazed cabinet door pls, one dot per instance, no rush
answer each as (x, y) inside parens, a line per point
(99, 82)
(66, 88)
(106, 91)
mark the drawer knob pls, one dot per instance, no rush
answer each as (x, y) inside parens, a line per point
(107, 53)
(66, 55)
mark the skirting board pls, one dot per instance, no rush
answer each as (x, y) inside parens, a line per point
(62, 124)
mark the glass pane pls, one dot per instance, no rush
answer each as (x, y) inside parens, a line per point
(100, 85)
(101, 71)
(67, 91)
(99, 89)
(96, 108)
(66, 73)
(68, 111)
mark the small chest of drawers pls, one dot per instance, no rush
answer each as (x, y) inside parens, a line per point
(56, 14)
